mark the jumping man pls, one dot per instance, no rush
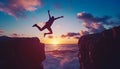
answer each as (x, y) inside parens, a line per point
(48, 24)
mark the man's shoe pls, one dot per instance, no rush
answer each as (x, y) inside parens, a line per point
(34, 25)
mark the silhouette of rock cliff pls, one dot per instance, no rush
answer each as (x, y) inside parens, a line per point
(21, 53)
(101, 50)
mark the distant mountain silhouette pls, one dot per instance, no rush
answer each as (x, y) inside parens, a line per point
(101, 50)
(21, 53)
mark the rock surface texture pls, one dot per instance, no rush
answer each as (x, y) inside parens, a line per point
(21, 53)
(101, 50)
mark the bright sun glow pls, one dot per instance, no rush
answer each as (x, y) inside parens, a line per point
(58, 40)
(55, 42)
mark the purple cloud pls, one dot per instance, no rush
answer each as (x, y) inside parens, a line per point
(17, 35)
(92, 23)
(70, 34)
(77, 37)
(87, 17)
(17, 8)
(74, 34)
(82, 32)
(1, 31)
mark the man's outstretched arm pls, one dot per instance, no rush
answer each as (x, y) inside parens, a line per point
(59, 17)
(49, 14)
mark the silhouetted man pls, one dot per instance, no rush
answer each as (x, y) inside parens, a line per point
(48, 24)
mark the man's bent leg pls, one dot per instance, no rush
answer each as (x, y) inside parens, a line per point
(41, 29)
(50, 31)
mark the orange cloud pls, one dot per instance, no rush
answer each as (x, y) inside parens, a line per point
(50, 36)
(28, 5)
(63, 36)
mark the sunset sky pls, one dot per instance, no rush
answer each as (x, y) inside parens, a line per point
(81, 17)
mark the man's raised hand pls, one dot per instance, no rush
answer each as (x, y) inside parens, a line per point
(48, 11)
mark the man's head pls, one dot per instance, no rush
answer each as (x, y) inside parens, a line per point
(52, 17)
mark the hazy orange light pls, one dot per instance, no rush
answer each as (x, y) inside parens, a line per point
(59, 40)
(54, 42)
